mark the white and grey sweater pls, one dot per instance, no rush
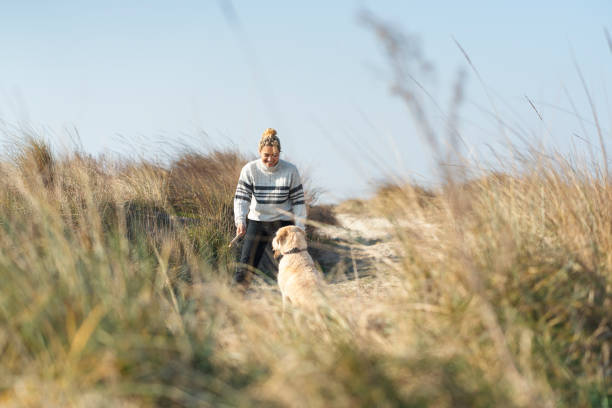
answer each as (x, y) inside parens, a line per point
(268, 194)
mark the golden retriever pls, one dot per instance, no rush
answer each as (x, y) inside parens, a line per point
(299, 280)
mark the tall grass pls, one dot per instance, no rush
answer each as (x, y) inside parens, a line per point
(88, 307)
(519, 258)
(521, 264)
(115, 277)
(501, 295)
(115, 290)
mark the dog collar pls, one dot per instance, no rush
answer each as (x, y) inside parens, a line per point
(291, 251)
(294, 251)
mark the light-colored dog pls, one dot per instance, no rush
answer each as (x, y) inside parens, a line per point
(299, 280)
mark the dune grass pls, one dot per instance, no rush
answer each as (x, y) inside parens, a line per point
(116, 284)
(501, 295)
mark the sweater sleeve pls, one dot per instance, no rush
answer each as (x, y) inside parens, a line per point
(242, 198)
(298, 203)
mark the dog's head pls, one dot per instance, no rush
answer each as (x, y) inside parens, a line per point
(288, 238)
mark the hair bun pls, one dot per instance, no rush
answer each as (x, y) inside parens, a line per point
(269, 138)
(269, 132)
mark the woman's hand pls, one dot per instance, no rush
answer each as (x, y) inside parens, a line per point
(240, 230)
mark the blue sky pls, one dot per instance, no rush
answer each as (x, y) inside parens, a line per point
(134, 77)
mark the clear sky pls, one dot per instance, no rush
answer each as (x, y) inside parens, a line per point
(133, 77)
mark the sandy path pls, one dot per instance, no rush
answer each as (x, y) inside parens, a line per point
(365, 243)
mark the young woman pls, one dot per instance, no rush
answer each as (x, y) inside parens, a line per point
(270, 195)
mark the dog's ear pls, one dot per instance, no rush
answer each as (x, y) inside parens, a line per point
(281, 236)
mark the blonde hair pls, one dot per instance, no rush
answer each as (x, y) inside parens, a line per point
(269, 138)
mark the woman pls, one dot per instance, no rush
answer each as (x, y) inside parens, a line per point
(270, 195)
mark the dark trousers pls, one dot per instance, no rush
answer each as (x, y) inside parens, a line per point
(258, 237)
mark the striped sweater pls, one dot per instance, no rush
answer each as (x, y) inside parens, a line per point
(268, 194)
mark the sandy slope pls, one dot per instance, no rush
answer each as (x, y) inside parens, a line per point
(366, 243)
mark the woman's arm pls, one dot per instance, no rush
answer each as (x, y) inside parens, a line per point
(242, 200)
(296, 195)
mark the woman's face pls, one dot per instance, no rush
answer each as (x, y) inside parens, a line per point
(269, 155)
